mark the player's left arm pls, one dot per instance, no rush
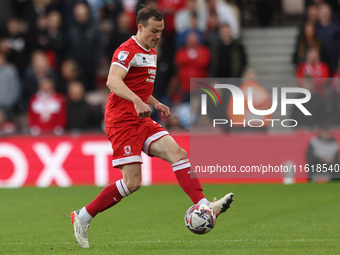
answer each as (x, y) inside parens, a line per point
(165, 111)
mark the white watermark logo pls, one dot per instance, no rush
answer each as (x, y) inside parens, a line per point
(239, 105)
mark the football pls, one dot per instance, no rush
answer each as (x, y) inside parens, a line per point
(200, 219)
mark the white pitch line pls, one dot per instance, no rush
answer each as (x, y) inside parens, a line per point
(236, 240)
(180, 241)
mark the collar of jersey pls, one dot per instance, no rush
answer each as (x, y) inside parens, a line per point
(133, 37)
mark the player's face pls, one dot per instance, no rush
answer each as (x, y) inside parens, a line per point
(151, 33)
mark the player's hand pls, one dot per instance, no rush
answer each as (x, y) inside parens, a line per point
(142, 109)
(165, 111)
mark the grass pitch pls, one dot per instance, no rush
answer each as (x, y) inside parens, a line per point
(264, 219)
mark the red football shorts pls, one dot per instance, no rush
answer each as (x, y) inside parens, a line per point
(128, 142)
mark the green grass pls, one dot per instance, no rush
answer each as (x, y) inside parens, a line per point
(264, 219)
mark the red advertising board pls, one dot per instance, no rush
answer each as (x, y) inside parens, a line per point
(86, 159)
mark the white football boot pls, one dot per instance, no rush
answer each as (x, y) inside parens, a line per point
(80, 230)
(220, 206)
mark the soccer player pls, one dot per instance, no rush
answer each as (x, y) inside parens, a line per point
(130, 129)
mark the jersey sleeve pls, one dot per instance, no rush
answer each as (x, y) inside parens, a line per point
(123, 57)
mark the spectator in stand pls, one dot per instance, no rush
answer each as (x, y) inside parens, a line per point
(141, 3)
(261, 101)
(106, 29)
(69, 72)
(39, 69)
(316, 106)
(56, 38)
(180, 37)
(85, 46)
(121, 33)
(79, 112)
(165, 82)
(16, 41)
(32, 11)
(47, 110)
(306, 40)
(9, 84)
(96, 7)
(334, 4)
(328, 33)
(6, 12)
(213, 34)
(334, 97)
(129, 7)
(224, 13)
(112, 10)
(38, 36)
(314, 68)
(183, 17)
(169, 8)
(323, 153)
(6, 127)
(335, 84)
(50, 38)
(192, 61)
(173, 124)
(233, 6)
(229, 57)
(313, 2)
(312, 14)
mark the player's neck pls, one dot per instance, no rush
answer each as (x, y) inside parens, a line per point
(140, 41)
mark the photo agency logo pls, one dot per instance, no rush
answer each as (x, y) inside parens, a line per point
(245, 99)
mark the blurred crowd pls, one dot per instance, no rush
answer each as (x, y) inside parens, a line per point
(55, 56)
(317, 59)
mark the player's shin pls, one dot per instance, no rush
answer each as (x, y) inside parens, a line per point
(186, 179)
(110, 195)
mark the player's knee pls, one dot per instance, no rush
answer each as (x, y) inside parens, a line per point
(173, 154)
(133, 185)
(136, 187)
(180, 154)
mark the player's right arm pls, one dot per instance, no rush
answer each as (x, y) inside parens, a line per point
(115, 82)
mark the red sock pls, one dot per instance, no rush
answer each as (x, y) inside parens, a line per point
(190, 185)
(110, 195)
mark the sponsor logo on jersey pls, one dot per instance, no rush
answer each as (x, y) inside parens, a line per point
(152, 71)
(152, 76)
(144, 60)
(150, 80)
(122, 55)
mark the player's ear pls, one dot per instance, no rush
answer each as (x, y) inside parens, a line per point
(139, 27)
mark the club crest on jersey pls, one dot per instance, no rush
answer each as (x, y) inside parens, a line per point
(122, 55)
(127, 150)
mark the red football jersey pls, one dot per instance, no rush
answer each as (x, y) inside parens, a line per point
(47, 112)
(141, 67)
(319, 72)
